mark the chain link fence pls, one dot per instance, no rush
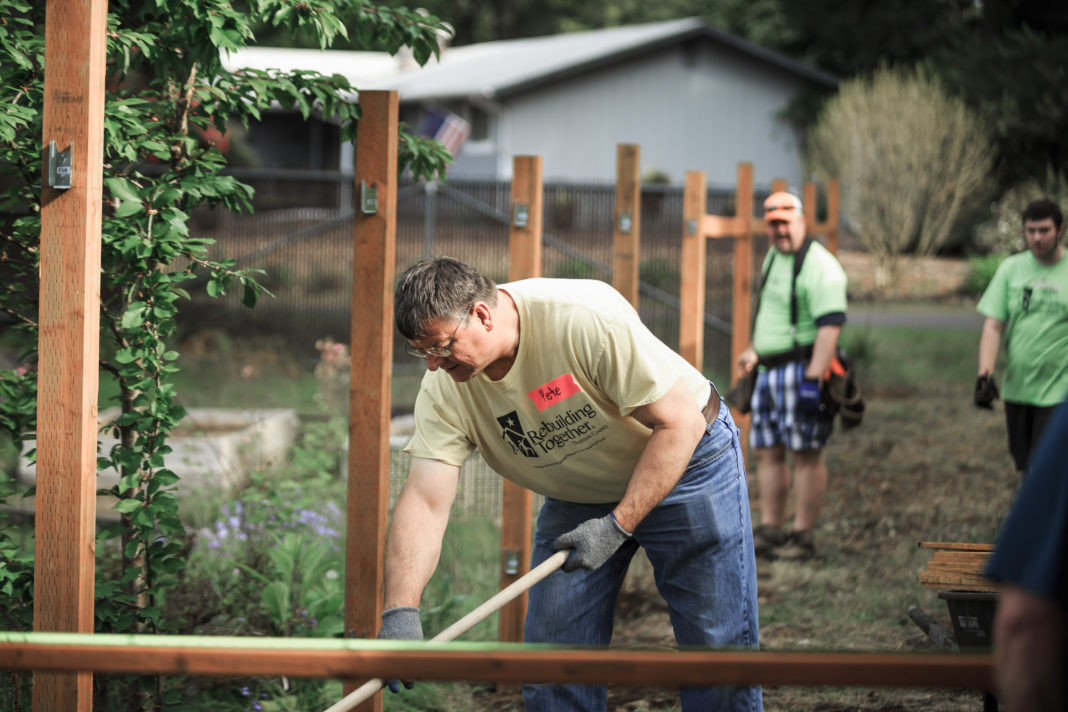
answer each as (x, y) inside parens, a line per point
(301, 234)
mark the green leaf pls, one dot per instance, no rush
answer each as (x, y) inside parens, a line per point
(128, 208)
(123, 189)
(249, 295)
(127, 505)
(134, 316)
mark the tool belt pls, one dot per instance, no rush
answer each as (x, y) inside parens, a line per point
(840, 394)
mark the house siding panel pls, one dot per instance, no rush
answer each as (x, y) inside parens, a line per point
(689, 109)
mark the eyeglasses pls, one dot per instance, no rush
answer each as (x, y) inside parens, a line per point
(437, 351)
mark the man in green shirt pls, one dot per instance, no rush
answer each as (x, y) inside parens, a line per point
(1026, 305)
(795, 339)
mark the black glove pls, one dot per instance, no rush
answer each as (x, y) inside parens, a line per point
(401, 623)
(808, 395)
(593, 541)
(986, 391)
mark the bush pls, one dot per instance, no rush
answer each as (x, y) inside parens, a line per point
(909, 158)
(981, 270)
(1002, 234)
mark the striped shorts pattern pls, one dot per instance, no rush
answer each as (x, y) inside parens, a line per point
(775, 420)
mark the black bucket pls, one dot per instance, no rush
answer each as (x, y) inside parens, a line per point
(972, 614)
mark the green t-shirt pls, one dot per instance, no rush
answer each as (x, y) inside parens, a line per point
(821, 290)
(559, 421)
(1033, 300)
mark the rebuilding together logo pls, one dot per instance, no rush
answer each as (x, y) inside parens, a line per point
(548, 434)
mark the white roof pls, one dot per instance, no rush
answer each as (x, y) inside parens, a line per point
(492, 69)
(360, 68)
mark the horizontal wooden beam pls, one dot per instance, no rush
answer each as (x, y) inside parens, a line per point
(955, 545)
(507, 663)
(721, 226)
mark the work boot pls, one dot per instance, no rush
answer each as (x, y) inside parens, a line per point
(799, 546)
(766, 538)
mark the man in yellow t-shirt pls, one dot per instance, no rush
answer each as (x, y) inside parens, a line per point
(564, 391)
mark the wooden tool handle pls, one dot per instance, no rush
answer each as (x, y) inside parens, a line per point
(506, 594)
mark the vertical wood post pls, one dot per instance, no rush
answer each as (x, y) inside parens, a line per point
(828, 227)
(627, 223)
(374, 261)
(524, 261)
(692, 297)
(69, 340)
(743, 264)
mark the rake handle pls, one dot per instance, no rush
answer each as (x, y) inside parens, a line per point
(491, 605)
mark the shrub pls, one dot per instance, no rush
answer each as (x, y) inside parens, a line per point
(909, 158)
(981, 269)
(1002, 234)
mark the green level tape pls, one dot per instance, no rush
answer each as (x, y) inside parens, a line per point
(245, 643)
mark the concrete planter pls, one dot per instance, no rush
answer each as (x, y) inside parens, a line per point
(215, 450)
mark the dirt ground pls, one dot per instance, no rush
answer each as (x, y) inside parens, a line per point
(924, 466)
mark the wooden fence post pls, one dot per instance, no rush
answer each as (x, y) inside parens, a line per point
(742, 301)
(627, 223)
(829, 227)
(374, 262)
(697, 227)
(524, 250)
(692, 287)
(69, 340)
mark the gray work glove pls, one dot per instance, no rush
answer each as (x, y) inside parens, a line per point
(401, 623)
(593, 542)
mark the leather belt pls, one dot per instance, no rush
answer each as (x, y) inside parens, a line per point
(711, 409)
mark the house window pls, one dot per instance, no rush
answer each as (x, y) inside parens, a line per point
(479, 120)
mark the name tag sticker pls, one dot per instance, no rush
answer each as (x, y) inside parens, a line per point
(554, 391)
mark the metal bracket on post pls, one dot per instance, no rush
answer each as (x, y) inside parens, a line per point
(520, 214)
(368, 198)
(626, 222)
(59, 166)
(511, 562)
(691, 226)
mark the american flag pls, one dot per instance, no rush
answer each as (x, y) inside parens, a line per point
(448, 128)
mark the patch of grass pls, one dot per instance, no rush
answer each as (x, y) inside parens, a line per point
(912, 358)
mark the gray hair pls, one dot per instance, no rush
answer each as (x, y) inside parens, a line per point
(438, 288)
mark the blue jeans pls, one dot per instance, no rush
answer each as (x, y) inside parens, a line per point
(699, 540)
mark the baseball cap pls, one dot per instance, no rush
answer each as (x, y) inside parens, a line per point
(782, 206)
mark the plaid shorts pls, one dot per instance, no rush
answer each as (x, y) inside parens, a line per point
(775, 417)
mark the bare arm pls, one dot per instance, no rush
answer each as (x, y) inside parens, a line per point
(1028, 644)
(677, 426)
(419, 520)
(823, 350)
(989, 343)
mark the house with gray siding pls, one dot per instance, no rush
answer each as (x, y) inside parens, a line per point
(692, 97)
